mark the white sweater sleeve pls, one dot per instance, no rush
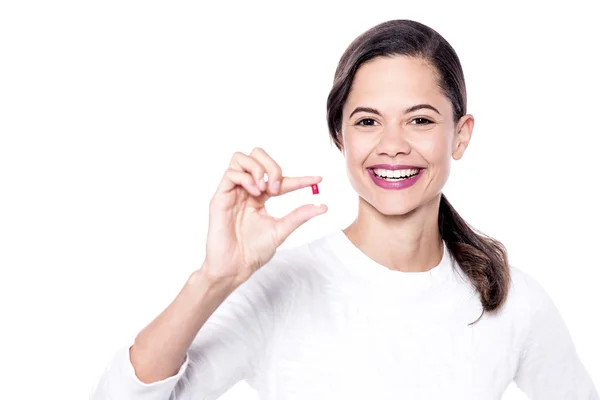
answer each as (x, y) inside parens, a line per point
(550, 368)
(229, 347)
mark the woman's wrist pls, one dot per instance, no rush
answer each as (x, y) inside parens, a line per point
(204, 287)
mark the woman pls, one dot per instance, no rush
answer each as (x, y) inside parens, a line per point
(407, 302)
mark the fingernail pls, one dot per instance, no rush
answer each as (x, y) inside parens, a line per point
(261, 184)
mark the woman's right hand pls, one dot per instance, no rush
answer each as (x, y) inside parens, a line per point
(242, 236)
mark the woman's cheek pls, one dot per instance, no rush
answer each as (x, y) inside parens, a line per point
(436, 151)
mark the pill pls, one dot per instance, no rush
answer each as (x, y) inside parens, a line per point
(316, 197)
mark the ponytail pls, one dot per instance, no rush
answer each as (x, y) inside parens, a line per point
(482, 258)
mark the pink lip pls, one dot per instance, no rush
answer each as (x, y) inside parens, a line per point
(394, 167)
(395, 185)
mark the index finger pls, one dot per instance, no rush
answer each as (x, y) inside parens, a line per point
(291, 183)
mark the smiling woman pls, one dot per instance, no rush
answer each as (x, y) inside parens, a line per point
(406, 101)
(406, 302)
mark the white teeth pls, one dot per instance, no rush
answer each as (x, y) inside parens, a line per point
(398, 173)
(395, 174)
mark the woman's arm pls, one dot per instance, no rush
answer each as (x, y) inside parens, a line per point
(211, 336)
(550, 368)
(160, 348)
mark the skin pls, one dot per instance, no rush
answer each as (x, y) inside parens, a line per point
(398, 228)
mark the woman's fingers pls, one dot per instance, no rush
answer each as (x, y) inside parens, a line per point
(288, 224)
(272, 169)
(244, 163)
(233, 178)
(289, 184)
(257, 164)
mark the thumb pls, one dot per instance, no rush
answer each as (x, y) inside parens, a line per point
(288, 224)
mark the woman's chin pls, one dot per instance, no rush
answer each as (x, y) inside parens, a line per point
(394, 208)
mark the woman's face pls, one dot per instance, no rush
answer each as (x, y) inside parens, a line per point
(396, 115)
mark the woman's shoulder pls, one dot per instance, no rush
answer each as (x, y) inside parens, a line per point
(293, 264)
(299, 259)
(526, 291)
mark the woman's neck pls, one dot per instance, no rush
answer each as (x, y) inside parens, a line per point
(408, 243)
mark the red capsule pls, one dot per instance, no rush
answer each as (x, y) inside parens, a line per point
(315, 188)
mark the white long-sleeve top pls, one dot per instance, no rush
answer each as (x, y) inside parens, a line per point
(324, 321)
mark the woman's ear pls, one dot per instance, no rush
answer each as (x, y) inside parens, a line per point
(464, 130)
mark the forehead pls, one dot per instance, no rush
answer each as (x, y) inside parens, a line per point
(397, 80)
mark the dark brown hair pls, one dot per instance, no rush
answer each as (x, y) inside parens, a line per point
(483, 259)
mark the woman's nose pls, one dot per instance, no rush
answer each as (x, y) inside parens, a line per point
(393, 141)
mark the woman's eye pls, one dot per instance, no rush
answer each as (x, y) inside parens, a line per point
(422, 121)
(367, 122)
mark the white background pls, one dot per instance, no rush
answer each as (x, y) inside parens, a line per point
(117, 119)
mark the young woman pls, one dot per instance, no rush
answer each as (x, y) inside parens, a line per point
(408, 302)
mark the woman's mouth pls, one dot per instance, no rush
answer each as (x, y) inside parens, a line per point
(395, 175)
(395, 179)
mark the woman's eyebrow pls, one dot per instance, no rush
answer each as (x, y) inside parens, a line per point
(365, 109)
(419, 106)
(408, 110)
